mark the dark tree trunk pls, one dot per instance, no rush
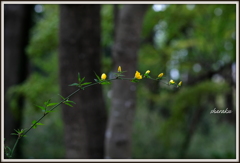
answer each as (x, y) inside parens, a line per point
(115, 13)
(17, 22)
(85, 123)
(118, 134)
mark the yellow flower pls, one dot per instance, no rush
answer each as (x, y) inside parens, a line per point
(179, 84)
(171, 82)
(104, 76)
(119, 69)
(147, 72)
(160, 75)
(138, 75)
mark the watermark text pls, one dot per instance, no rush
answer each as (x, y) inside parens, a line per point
(216, 111)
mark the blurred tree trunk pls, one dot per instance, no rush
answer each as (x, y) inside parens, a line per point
(17, 22)
(85, 123)
(115, 16)
(118, 134)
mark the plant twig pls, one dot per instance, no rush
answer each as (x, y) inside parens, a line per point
(99, 81)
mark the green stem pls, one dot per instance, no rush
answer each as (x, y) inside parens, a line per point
(60, 104)
(47, 114)
(20, 136)
(50, 110)
(14, 146)
(99, 82)
(66, 98)
(34, 125)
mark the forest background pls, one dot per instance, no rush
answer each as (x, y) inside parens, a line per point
(46, 45)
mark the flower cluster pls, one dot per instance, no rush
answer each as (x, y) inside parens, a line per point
(136, 77)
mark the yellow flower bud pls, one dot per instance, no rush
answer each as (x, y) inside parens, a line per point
(104, 76)
(179, 84)
(160, 75)
(147, 72)
(119, 69)
(138, 75)
(171, 82)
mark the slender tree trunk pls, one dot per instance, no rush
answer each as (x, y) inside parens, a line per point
(119, 130)
(85, 123)
(17, 22)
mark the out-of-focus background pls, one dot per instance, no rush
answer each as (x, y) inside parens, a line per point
(45, 46)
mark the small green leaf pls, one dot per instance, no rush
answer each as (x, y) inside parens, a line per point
(22, 130)
(86, 83)
(71, 101)
(68, 104)
(51, 104)
(105, 83)
(47, 102)
(135, 80)
(61, 97)
(39, 124)
(146, 76)
(49, 111)
(14, 134)
(8, 148)
(34, 124)
(43, 108)
(82, 79)
(74, 84)
(97, 77)
(16, 130)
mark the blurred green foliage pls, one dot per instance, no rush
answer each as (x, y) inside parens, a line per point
(41, 85)
(107, 32)
(191, 39)
(194, 40)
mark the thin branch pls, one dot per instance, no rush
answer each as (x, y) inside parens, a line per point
(20, 135)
